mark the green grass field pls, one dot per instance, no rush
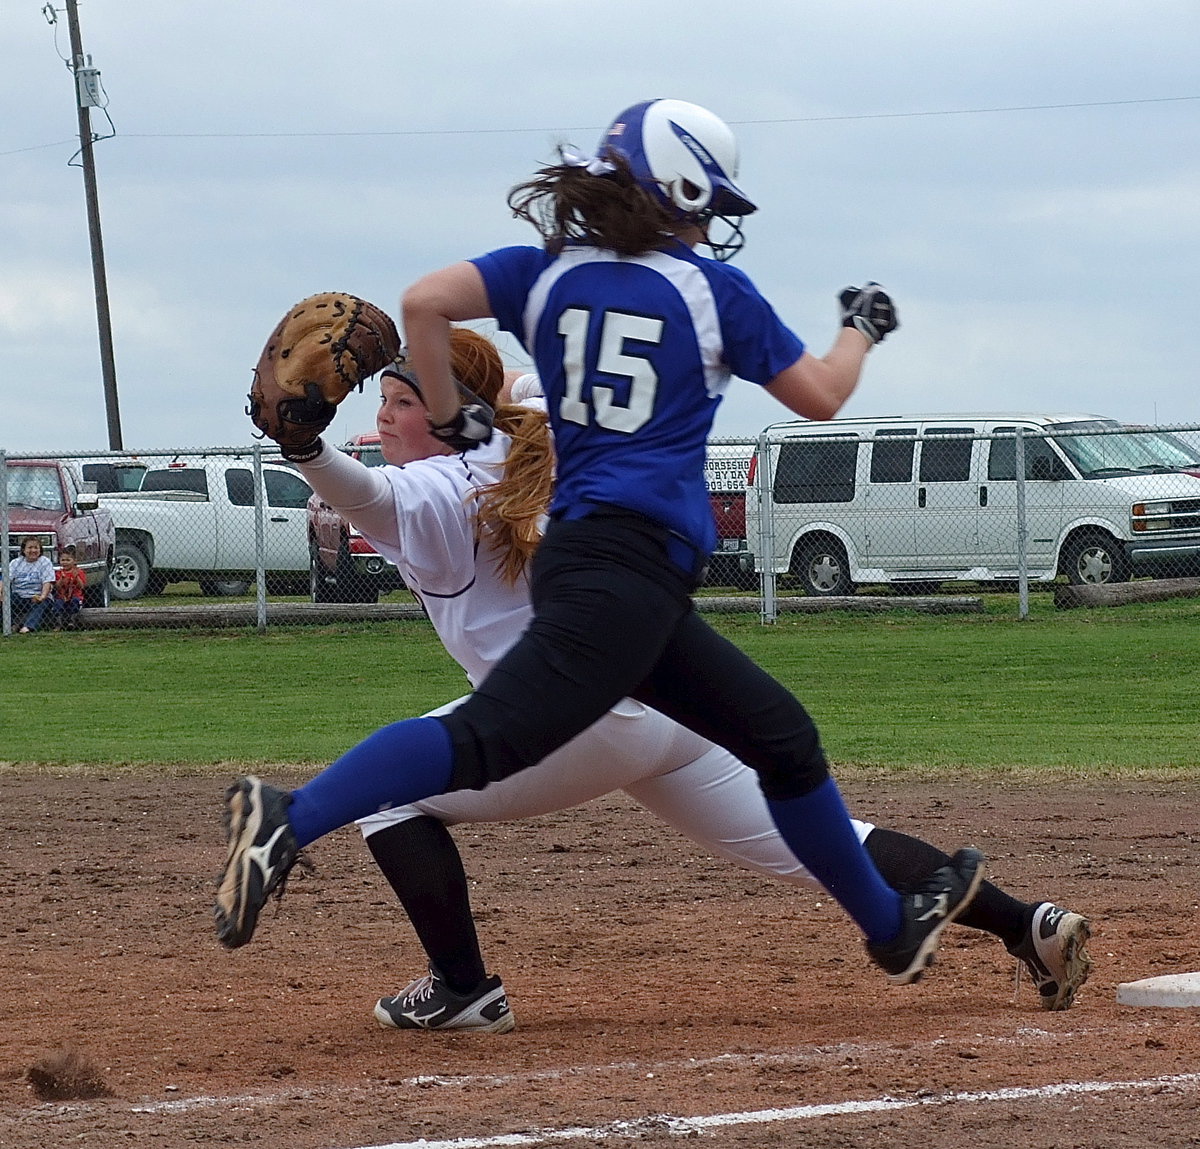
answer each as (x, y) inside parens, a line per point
(1079, 691)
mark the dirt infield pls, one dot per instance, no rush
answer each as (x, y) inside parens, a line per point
(658, 993)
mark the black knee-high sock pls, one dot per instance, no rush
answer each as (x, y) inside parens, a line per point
(903, 860)
(422, 864)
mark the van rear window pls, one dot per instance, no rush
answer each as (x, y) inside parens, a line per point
(817, 471)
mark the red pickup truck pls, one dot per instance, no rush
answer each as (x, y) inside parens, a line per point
(343, 566)
(45, 500)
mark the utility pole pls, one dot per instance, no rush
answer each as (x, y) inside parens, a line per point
(87, 92)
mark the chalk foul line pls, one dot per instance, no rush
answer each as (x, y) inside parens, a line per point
(685, 1125)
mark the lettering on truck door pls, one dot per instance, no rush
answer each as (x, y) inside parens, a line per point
(726, 469)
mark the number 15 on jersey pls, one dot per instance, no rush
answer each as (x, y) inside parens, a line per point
(617, 327)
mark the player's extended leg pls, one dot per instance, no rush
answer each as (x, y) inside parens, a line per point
(424, 868)
(1049, 941)
(716, 801)
(265, 828)
(597, 633)
(705, 682)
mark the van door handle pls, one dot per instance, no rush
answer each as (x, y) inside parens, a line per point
(983, 496)
(920, 496)
(280, 519)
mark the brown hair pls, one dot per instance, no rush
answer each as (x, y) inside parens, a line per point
(510, 511)
(566, 203)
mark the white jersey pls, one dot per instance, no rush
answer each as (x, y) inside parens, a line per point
(419, 516)
(476, 614)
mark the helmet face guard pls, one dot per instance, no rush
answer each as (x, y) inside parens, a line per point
(687, 159)
(730, 241)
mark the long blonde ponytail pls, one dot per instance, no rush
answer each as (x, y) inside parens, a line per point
(509, 515)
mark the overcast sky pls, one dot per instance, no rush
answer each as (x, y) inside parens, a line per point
(1023, 175)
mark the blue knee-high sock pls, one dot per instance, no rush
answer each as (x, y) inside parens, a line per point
(818, 831)
(398, 764)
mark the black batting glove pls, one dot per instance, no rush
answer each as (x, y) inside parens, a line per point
(870, 310)
(471, 427)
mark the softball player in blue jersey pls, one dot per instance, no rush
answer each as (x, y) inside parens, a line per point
(635, 338)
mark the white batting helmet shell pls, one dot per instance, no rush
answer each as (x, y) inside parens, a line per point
(682, 154)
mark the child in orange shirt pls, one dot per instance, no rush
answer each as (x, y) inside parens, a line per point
(69, 583)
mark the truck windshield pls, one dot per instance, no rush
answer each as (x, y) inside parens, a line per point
(37, 488)
(1124, 451)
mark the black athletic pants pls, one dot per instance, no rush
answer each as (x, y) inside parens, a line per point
(614, 617)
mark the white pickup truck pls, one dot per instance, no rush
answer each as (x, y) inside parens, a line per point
(194, 522)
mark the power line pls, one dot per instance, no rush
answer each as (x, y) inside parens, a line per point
(39, 147)
(421, 132)
(733, 123)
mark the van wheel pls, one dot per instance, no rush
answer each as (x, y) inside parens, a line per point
(822, 567)
(1093, 559)
(130, 573)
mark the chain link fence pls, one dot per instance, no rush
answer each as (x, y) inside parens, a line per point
(226, 536)
(929, 513)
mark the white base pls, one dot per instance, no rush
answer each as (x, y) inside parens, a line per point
(1175, 990)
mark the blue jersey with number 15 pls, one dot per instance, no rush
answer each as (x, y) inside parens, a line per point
(634, 354)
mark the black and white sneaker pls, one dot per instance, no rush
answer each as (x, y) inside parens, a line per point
(262, 850)
(1054, 951)
(429, 1003)
(927, 910)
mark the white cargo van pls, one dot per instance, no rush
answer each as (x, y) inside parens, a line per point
(924, 499)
